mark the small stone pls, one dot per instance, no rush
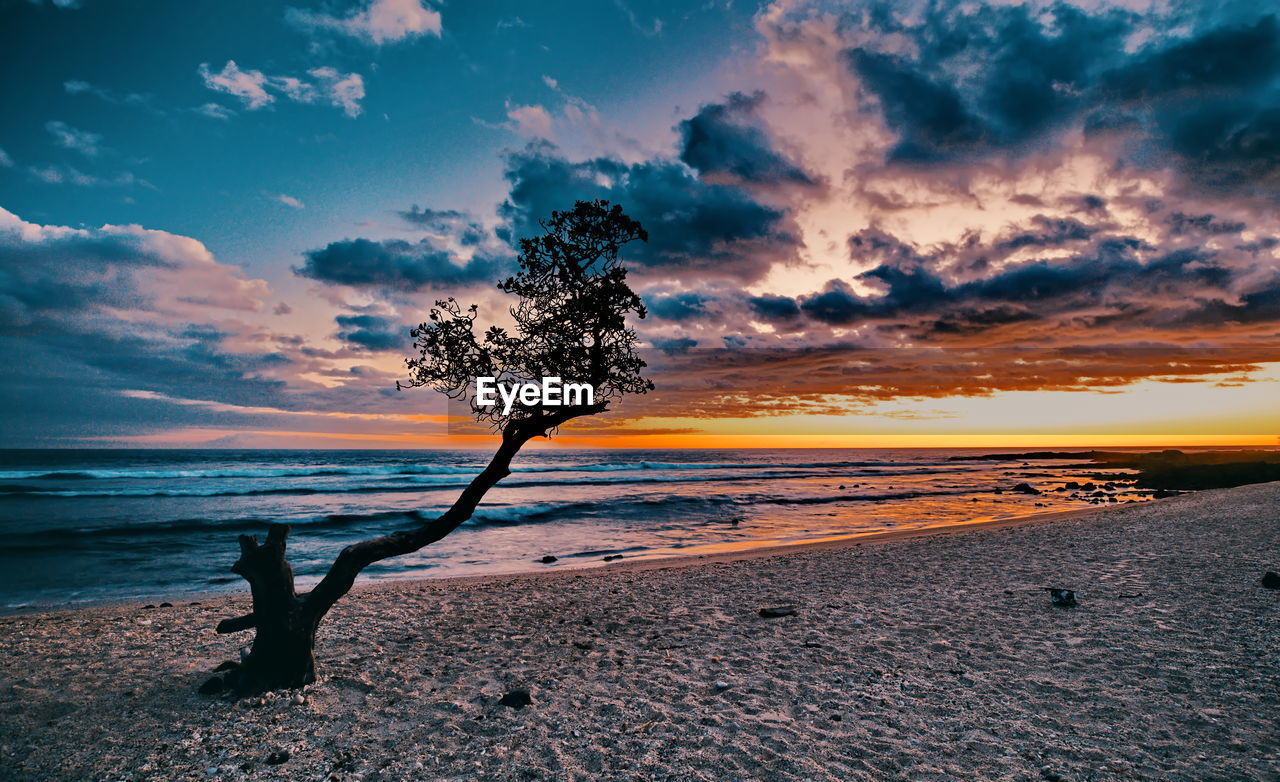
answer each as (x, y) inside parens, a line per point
(516, 699)
(277, 757)
(548, 559)
(774, 613)
(721, 685)
(298, 699)
(166, 605)
(1063, 598)
(1271, 579)
(1025, 488)
(612, 557)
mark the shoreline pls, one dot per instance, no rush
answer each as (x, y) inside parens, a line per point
(928, 655)
(639, 563)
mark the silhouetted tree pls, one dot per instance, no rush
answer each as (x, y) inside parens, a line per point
(570, 322)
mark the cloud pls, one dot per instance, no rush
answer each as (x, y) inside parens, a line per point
(432, 217)
(70, 175)
(653, 28)
(5, 160)
(529, 121)
(966, 82)
(67, 137)
(699, 227)
(249, 86)
(122, 331)
(344, 90)
(80, 273)
(214, 111)
(288, 201)
(372, 332)
(81, 87)
(398, 265)
(1094, 285)
(378, 22)
(257, 90)
(677, 306)
(725, 140)
(774, 308)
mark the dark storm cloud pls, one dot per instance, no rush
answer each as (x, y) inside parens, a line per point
(672, 346)
(122, 331)
(1048, 233)
(980, 80)
(1233, 56)
(468, 232)
(1090, 279)
(372, 332)
(677, 306)
(396, 264)
(699, 227)
(985, 78)
(1204, 224)
(71, 272)
(725, 139)
(774, 308)
(420, 216)
(1117, 281)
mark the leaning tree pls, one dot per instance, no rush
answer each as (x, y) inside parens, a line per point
(570, 322)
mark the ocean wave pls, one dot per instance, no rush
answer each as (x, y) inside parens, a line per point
(433, 483)
(383, 521)
(401, 470)
(71, 535)
(370, 523)
(240, 472)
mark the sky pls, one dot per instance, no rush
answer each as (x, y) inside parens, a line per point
(979, 223)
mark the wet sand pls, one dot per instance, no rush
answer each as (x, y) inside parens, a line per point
(911, 656)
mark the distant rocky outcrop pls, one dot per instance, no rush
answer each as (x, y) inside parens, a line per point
(1168, 470)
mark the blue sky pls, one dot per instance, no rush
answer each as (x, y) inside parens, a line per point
(430, 128)
(218, 221)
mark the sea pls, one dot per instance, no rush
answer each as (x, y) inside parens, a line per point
(83, 526)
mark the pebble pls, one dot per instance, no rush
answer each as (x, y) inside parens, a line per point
(277, 757)
(722, 685)
(299, 699)
(516, 699)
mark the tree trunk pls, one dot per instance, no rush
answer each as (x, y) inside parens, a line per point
(283, 651)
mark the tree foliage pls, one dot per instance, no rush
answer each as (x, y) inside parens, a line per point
(570, 322)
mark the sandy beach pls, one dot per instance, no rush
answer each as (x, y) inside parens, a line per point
(921, 657)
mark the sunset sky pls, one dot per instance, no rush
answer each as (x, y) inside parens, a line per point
(870, 223)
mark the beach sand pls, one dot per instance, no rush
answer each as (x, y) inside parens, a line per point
(917, 657)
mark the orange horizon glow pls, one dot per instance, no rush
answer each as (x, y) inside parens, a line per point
(197, 438)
